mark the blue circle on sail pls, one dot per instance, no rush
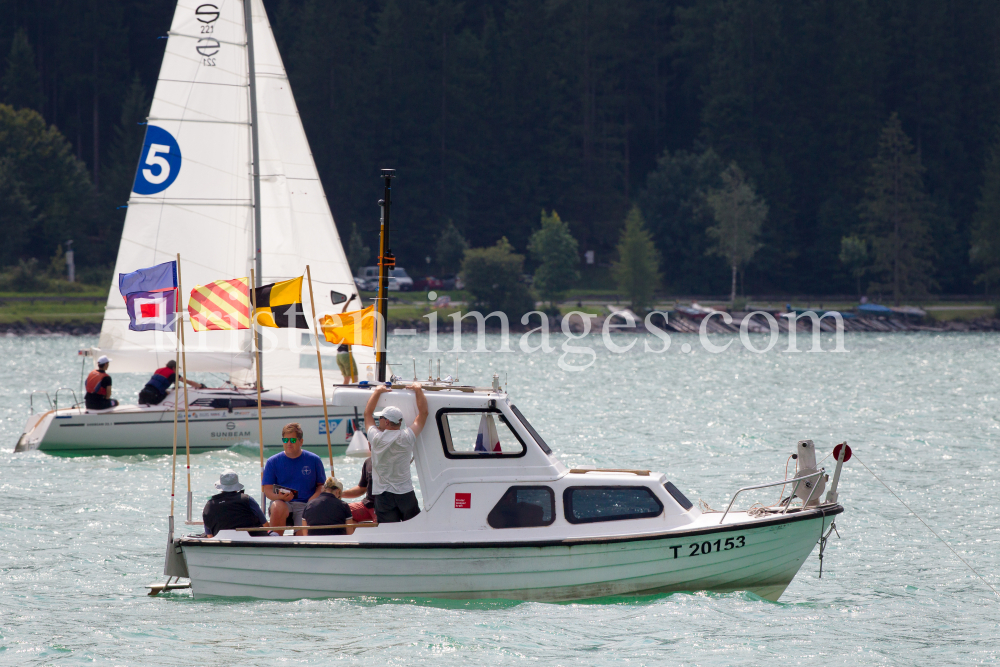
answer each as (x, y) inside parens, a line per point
(159, 163)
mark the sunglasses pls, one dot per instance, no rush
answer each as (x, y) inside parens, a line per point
(289, 439)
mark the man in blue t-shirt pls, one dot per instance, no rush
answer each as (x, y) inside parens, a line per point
(291, 479)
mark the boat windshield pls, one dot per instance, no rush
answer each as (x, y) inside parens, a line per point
(531, 429)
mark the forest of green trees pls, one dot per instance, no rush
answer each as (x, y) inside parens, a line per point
(864, 134)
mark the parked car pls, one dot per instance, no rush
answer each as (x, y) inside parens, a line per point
(452, 281)
(427, 284)
(405, 281)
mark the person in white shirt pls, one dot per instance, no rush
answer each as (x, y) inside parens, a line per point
(392, 450)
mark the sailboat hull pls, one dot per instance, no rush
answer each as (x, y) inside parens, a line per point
(144, 430)
(774, 552)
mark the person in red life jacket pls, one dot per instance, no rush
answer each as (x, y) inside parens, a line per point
(98, 396)
(156, 389)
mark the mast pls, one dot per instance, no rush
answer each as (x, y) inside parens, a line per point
(386, 261)
(255, 156)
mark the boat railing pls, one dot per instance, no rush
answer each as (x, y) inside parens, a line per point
(31, 399)
(796, 481)
(76, 401)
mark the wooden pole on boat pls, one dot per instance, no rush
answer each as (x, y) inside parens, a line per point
(173, 476)
(260, 418)
(319, 360)
(187, 407)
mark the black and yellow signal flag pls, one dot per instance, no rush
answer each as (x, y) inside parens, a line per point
(279, 305)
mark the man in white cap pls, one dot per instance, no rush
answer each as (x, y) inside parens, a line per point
(392, 450)
(232, 508)
(98, 396)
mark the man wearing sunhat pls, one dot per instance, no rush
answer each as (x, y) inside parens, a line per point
(232, 508)
(392, 446)
(98, 396)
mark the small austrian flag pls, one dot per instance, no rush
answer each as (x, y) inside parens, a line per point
(152, 311)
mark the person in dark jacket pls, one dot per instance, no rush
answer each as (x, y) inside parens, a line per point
(156, 389)
(232, 508)
(98, 396)
(327, 509)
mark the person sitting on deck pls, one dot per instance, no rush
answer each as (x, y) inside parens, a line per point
(232, 508)
(392, 446)
(156, 389)
(291, 479)
(327, 509)
(98, 396)
(364, 509)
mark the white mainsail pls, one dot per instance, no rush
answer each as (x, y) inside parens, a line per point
(193, 195)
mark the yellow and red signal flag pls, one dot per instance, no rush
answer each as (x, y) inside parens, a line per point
(221, 306)
(354, 328)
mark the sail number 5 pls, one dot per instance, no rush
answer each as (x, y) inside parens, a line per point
(708, 546)
(154, 160)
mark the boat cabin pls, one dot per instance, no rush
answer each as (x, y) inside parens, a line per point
(481, 466)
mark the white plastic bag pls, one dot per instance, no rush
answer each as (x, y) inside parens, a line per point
(358, 446)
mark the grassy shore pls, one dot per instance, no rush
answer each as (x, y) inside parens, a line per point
(86, 309)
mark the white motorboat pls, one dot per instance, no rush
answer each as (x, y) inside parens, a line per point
(198, 193)
(518, 524)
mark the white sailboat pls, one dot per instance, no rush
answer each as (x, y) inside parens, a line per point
(518, 524)
(226, 179)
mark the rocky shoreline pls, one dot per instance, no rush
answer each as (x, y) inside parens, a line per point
(675, 324)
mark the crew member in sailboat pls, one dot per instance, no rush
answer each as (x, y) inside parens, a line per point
(345, 362)
(98, 396)
(392, 446)
(156, 389)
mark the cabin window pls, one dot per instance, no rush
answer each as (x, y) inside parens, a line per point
(531, 429)
(472, 433)
(524, 507)
(676, 494)
(589, 504)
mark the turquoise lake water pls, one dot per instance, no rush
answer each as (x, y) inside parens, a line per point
(80, 537)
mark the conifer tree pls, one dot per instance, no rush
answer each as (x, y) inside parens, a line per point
(896, 212)
(22, 85)
(854, 256)
(450, 251)
(357, 252)
(739, 215)
(556, 252)
(637, 270)
(985, 247)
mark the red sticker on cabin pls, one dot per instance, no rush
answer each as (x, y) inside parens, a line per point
(463, 501)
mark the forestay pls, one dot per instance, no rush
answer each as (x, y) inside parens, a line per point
(193, 195)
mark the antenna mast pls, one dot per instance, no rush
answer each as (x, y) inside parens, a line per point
(386, 261)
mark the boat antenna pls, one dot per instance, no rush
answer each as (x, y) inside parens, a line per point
(386, 261)
(255, 156)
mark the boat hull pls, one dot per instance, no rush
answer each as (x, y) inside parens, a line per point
(72, 432)
(771, 555)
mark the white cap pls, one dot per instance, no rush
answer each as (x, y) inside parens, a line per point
(103, 359)
(393, 414)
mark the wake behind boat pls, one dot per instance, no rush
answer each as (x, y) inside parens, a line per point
(517, 524)
(227, 180)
